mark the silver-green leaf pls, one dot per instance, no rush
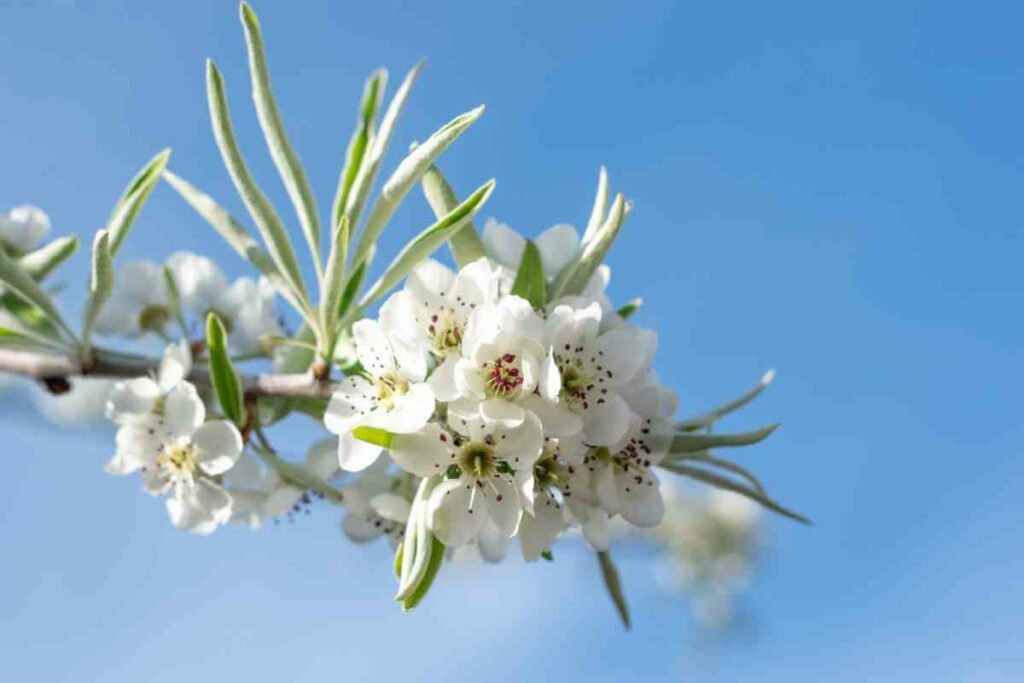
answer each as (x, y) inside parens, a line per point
(226, 383)
(709, 418)
(359, 143)
(285, 159)
(465, 243)
(374, 156)
(101, 283)
(612, 582)
(727, 484)
(263, 214)
(238, 238)
(133, 198)
(530, 282)
(426, 242)
(43, 261)
(689, 443)
(19, 282)
(408, 173)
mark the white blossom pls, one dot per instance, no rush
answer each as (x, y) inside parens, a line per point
(140, 302)
(179, 453)
(140, 397)
(390, 395)
(22, 228)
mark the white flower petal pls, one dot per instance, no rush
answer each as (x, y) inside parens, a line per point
(503, 507)
(183, 410)
(492, 543)
(502, 413)
(391, 507)
(442, 380)
(503, 243)
(373, 348)
(353, 399)
(359, 529)
(606, 420)
(558, 245)
(469, 380)
(355, 455)
(558, 420)
(217, 445)
(521, 446)
(424, 453)
(175, 365)
(640, 502)
(132, 398)
(549, 383)
(411, 410)
(455, 512)
(539, 531)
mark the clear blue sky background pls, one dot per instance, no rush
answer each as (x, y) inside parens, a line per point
(831, 190)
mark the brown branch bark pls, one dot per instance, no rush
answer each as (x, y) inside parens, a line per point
(48, 367)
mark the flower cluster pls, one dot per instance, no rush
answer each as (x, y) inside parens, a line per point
(531, 419)
(152, 298)
(507, 398)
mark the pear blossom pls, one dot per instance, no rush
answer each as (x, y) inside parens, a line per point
(246, 306)
(483, 463)
(179, 453)
(432, 313)
(591, 366)
(143, 396)
(22, 228)
(558, 245)
(391, 394)
(502, 362)
(370, 517)
(258, 492)
(623, 474)
(140, 302)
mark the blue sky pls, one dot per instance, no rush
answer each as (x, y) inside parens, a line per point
(830, 190)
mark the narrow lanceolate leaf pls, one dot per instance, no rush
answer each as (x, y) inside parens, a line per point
(576, 274)
(378, 437)
(174, 299)
(263, 214)
(348, 297)
(689, 443)
(705, 458)
(613, 583)
(408, 173)
(426, 242)
(100, 284)
(722, 482)
(133, 198)
(465, 244)
(19, 282)
(359, 143)
(284, 156)
(630, 308)
(434, 562)
(225, 379)
(44, 260)
(712, 416)
(597, 214)
(238, 238)
(378, 145)
(418, 548)
(334, 281)
(530, 282)
(27, 319)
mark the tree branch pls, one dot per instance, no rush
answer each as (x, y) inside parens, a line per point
(45, 366)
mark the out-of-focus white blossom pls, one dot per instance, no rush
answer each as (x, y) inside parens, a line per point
(22, 228)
